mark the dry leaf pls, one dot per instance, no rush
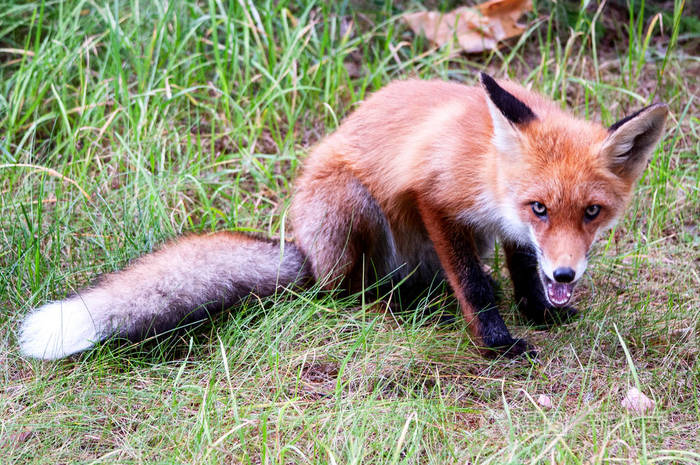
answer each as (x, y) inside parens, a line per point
(476, 29)
(637, 402)
(544, 401)
(17, 438)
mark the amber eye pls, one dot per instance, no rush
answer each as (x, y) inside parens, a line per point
(539, 209)
(591, 212)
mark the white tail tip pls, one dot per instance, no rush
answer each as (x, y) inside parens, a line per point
(58, 329)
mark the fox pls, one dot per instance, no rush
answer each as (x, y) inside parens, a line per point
(416, 185)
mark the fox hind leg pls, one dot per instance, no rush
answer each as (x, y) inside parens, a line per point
(343, 232)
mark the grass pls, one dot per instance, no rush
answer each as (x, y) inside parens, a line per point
(126, 123)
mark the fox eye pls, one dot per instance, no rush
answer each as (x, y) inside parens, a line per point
(539, 209)
(591, 212)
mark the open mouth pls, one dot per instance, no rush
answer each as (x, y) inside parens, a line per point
(558, 294)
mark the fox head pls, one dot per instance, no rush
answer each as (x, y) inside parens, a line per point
(562, 180)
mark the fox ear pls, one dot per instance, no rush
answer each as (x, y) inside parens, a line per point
(631, 140)
(507, 114)
(515, 111)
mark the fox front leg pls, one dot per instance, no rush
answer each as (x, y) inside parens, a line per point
(457, 250)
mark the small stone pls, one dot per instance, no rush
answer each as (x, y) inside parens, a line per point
(544, 401)
(636, 402)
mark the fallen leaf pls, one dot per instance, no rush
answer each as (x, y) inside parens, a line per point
(18, 438)
(476, 29)
(544, 401)
(636, 402)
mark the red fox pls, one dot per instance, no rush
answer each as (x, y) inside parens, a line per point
(415, 184)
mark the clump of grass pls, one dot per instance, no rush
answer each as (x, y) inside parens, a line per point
(128, 123)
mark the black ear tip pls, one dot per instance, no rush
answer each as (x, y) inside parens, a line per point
(513, 109)
(490, 85)
(660, 109)
(486, 80)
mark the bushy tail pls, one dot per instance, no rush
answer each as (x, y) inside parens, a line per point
(185, 281)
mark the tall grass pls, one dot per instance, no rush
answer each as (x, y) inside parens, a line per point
(126, 123)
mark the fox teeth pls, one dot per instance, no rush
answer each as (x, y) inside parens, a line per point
(558, 294)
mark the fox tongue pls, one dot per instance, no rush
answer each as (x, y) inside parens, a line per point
(559, 293)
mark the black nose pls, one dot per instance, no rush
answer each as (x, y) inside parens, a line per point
(564, 275)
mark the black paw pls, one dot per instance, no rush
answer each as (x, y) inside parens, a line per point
(544, 315)
(511, 349)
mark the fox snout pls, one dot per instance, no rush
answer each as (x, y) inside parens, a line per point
(559, 276)
(563, 268)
